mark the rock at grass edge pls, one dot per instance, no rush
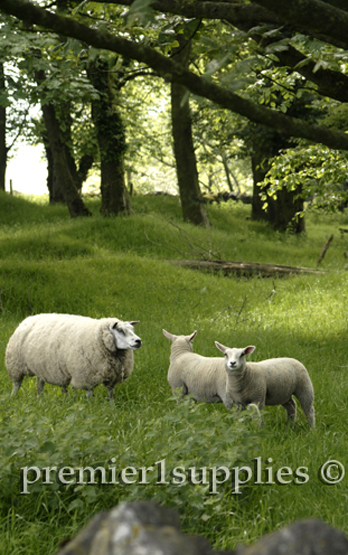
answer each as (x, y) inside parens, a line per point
(145, 528)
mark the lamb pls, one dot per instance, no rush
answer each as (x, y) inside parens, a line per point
(63, 349)
(269, 382)
(203, 378)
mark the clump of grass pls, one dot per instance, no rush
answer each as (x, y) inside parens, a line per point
(103, 267)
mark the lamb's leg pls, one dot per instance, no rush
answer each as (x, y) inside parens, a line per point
(310, 415)
(260, 406)
(16, 386)
(111, 394)
(306, 398)
(291, 410)
(40, 384)
(89, 394)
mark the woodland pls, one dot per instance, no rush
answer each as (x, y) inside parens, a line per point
(255, 98)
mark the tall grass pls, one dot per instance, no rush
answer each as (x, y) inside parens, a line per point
(119, 266)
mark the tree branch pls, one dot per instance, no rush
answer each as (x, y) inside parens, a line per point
(323, 18)
(246, 16)
(169, 70)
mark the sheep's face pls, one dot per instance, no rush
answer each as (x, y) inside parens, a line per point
(124, 335)
(235, 358)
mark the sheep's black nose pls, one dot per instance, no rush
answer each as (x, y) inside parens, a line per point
(138, 343)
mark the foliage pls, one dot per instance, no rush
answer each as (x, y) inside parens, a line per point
(322, 173)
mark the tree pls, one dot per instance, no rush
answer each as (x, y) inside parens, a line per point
(63, 185)
(309, 45)
(186, 167)
(111, 139)
(3, 148)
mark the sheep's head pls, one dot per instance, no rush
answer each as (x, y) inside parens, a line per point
(124, 336)
(183, 340)
(235, 358)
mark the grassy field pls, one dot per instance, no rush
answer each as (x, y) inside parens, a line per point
(144, 444)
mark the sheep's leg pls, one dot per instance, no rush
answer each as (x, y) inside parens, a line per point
(40, 384)
(65, 389)
(291, 410)
(111, 394)
(306, 399)
(180, 392)
(310, 415)
(259, 406)
(89, 394)
(16, 386)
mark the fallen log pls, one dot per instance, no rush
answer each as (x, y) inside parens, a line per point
(245, 268)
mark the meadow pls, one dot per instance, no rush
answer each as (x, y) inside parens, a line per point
(144, 445)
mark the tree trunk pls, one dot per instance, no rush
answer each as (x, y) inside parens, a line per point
(63, 185)
(192, 205)
(3, 149)
(111, 141)
(284, 210)
(259, 173)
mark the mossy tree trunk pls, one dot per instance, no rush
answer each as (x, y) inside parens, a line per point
(192, 205)
(3, 149)
(111, 141)
(63, 185)
(284, 210)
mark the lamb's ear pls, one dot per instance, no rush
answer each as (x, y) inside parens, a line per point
(221, 347)
(249, 350)
(192, 336)
(168, 335)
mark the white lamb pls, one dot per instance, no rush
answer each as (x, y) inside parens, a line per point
(269, 382)
(203, 378)
(63, 349)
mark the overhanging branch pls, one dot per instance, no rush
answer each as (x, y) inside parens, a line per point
(169, 70)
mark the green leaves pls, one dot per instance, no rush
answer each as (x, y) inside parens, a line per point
(140, 12)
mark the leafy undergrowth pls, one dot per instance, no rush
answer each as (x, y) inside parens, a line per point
(145, 445)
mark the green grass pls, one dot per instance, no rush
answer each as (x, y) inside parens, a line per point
(119, 266)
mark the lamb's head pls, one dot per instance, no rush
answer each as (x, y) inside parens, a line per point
(124, 336)
(235, 358)
(183, 342)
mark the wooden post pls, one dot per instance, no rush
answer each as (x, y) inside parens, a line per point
(324, 249)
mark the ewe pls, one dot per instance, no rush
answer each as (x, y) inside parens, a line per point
(63, 349)
(269, 382)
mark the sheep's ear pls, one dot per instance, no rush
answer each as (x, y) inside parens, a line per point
(134, 322)
(249, 350)
(221, 347)
(192, 336)
(114, 326)
(168, 335)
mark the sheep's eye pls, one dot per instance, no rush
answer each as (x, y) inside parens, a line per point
(120, 330)
(225, 355)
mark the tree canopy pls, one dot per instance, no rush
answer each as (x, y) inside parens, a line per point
(315, 20)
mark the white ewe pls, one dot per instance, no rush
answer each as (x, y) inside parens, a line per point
(269, 382)
(63, 349)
